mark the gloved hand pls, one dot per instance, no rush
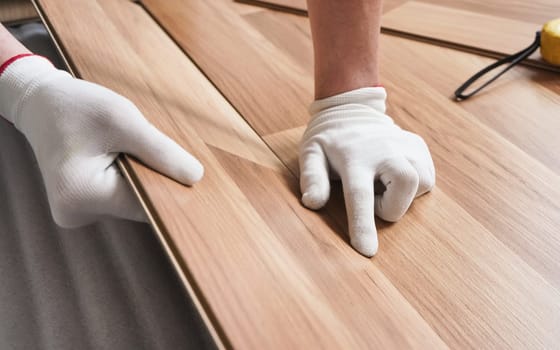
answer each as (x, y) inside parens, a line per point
(77, 129)
(350, 137)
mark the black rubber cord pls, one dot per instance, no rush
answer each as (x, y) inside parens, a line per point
(514, 59)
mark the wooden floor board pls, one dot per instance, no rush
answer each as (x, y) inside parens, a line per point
(489, 33)
(472, 265)
(300, 6)
(493, 28)
(252, 282)
(281, 33)
(244, 68)
(522, 106)
(478, 167)
(14, 11)
(220, 126)
(527, 11)
(292, 6)
(504, 111)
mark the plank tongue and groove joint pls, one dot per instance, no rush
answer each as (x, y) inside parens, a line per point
(475, 264)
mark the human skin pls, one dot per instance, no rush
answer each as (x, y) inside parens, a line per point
(9, 46)
(345, 42)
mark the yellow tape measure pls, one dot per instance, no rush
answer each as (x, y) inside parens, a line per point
(548, 40)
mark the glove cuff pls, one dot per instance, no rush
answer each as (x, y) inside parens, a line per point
(18, 77)
(373, 97)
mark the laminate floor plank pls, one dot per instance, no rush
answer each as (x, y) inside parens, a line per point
(219, 127)
(428, 259)
(16, 11)
(245, 70)
(300, 6)
(493, 28)
(522, 105)
(504, 108)
(527, 11)
(252, 278)
(294, 6)
(472, 30)
(483, 247)
(281, 31)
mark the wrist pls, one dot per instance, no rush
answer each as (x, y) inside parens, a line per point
(19, 75)
(350, 108)
(372, 97)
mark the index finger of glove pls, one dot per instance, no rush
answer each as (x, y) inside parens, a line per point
(359, 198)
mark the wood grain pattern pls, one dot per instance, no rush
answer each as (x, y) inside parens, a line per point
(300, 6)
(493, 28)
(478, 258)
(537, 12)
(223, 29)
(16, 11)
(505, 107)
(489, 34)
(270, 274)
(293, 6)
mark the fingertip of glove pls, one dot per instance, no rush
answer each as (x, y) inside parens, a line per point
(367, 246)
(194, 174)
(313, 199)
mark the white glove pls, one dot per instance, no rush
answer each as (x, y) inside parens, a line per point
(350, 137)
(77, 129)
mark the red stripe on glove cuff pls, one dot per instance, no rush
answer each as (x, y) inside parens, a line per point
(12, 60)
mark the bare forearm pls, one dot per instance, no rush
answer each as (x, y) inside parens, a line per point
(345, 42)
(9, 46)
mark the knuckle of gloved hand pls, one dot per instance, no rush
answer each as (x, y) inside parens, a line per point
(428, 183)
(308, 143)
(417, 140)
(407, 177)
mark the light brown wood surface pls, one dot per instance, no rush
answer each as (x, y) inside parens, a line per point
(300, 6)
(526, 11)
(475, 264)
(522, 10)
(466, 184)
(16, 10)
(252, 279)
(294, 6)
(495, 28)
(490, 34)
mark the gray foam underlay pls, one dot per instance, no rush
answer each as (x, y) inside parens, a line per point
(104, 286)
(37, 39)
